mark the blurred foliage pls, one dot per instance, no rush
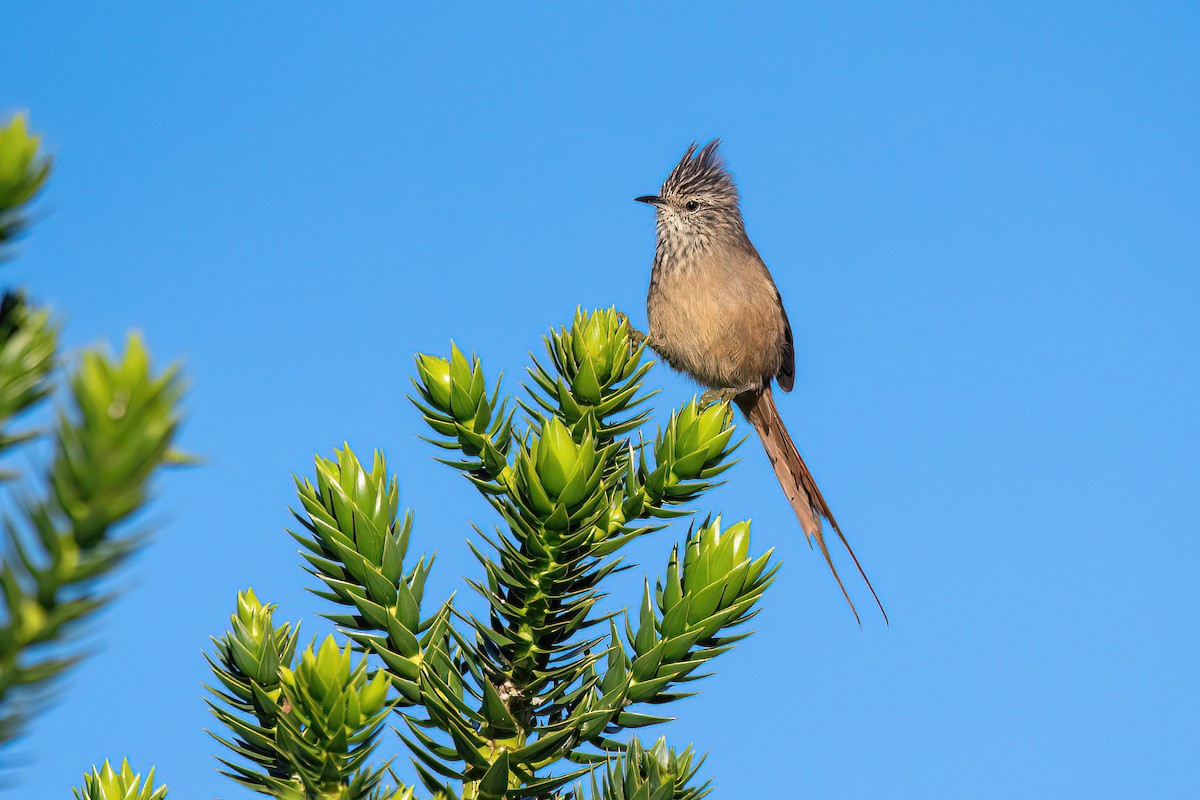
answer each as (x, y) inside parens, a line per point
(23, 173)
(66, 529)
(539, 694)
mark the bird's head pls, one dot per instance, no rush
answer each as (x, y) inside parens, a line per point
(699, 197)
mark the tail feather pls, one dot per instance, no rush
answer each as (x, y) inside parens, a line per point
(798, 483)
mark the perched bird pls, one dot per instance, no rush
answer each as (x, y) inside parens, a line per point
(716, 315)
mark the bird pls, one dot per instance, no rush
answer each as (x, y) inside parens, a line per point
(716, 315)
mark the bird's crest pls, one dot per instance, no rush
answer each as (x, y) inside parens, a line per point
(700, 172)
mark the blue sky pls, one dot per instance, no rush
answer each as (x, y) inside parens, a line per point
(983, 222)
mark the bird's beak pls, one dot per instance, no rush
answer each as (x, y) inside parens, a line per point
(651, 199)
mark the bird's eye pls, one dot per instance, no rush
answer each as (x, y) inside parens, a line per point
(691, 205)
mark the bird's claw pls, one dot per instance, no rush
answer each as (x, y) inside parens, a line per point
(714, 396)
(636, 337)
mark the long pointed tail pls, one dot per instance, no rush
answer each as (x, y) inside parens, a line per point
(797, 482)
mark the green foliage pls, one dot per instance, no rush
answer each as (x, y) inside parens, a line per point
(28, 338)
(23, 173)
(656, 774)
(28, 343)
(537, 693)
(307, 723)
(61, 544)
(66, 533)
(716, 588)
(247, 665)
(357, 545)
(107, 783)
(334, 714)
(594, 377)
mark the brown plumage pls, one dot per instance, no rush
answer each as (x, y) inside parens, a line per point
(716, 314)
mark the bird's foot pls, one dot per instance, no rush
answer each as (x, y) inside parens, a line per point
(714, 396)
(728, 394)
(636, 337)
